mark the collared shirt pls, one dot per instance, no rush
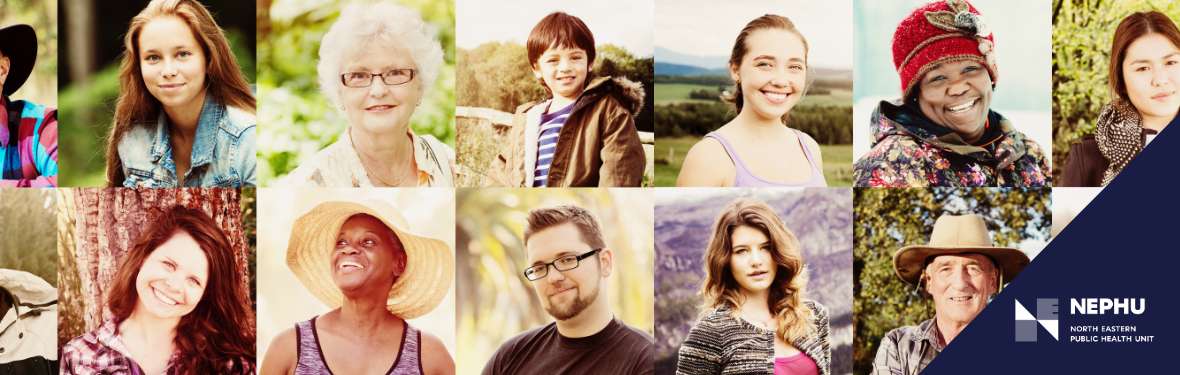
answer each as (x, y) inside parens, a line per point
(339, 165)
(908, 349)
(103, 352)
(222, 154)
(28, 329)
(28, 144)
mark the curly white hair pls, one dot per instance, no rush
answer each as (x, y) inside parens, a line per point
(360, 24)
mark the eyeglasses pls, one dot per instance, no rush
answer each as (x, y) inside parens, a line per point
(564, 263)
(365, 79)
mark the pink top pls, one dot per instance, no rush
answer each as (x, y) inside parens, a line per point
(797, 364)
(744, 178)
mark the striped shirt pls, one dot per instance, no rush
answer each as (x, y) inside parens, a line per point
(547, 142)
(28, 144)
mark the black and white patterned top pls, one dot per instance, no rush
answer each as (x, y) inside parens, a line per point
(721, 343)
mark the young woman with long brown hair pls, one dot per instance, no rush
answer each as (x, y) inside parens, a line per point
(754, 286)
(185, 114)
(176, 306)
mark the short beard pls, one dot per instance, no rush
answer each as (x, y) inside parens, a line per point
(576, 307)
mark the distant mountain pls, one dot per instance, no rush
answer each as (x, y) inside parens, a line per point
(820, 218)
(705, 62)
(672, 63)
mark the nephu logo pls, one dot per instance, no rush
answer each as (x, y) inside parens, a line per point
(1026, 324)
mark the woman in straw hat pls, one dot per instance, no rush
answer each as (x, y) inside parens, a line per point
(358, 260)
(960, 269)
(754, 285)
(176, 306)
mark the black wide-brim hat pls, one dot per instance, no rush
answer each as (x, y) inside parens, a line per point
(19, 44)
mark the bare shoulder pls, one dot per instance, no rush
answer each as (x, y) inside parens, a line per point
(812, 146)
(281, 354)
(435, 357)
(706, 164)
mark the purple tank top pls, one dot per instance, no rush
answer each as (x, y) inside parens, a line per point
(744, 178)
(311, 358)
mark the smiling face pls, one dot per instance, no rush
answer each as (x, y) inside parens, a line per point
(172, 278)
(172, 63)
(1151, 72)
(960, 285)
(957, 95)
(750, 260)
(380, 108)
(565, 294)
(367, 259)
(563, 70)
(773, 72)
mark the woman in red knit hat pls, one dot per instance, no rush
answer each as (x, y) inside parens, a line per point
(942, 131)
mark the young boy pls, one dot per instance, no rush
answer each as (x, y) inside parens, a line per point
(584, 134)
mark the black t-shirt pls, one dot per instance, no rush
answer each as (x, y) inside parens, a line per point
(616, 349)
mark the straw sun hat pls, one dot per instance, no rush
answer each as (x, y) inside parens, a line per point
(430, 264)
(957, 234)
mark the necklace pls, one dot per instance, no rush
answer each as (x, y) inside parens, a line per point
(371, 173)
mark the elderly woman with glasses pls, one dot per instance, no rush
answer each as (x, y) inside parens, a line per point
(376, 64)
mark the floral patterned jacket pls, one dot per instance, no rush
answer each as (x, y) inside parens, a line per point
(911, 151)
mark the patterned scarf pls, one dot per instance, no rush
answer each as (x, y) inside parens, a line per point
(1119, 135)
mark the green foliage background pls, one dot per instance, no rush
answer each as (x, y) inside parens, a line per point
(294, 119)
(41, 87)
(497, 75)
(1083, 31)
(887, 219)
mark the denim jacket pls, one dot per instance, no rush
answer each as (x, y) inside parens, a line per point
(222, 156)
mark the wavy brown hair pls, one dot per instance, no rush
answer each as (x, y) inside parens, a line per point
(769, 21)
(136, 106)
(217, 332)
(721, 289)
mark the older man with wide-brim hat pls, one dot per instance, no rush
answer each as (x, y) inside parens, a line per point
(960, 269)
(28, 131)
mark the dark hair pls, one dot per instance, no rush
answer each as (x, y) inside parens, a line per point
(769, 21)
(1131, 28)
(556, 30)
(217, 332)
(543, 218)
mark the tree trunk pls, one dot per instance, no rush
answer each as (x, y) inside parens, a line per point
(107, 222)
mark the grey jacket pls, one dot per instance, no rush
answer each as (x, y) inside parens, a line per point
(908, 349)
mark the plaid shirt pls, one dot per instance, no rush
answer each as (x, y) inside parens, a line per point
(28, 144)
(908, 350)
(101, 352)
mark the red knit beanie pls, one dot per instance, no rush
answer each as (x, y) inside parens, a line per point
(940, 32)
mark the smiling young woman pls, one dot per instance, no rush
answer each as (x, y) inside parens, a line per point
(174, 306)
(185, 114)
(757, 148)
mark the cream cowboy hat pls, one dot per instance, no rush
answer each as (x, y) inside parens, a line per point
(430, 263)
(957, 234)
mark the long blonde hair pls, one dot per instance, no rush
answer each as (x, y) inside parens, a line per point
(135, 106)
(721, 289)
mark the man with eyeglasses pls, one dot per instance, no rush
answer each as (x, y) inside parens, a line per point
(568, 268)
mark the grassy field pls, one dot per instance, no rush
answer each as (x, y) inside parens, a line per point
(668, 93)
(670, 154)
